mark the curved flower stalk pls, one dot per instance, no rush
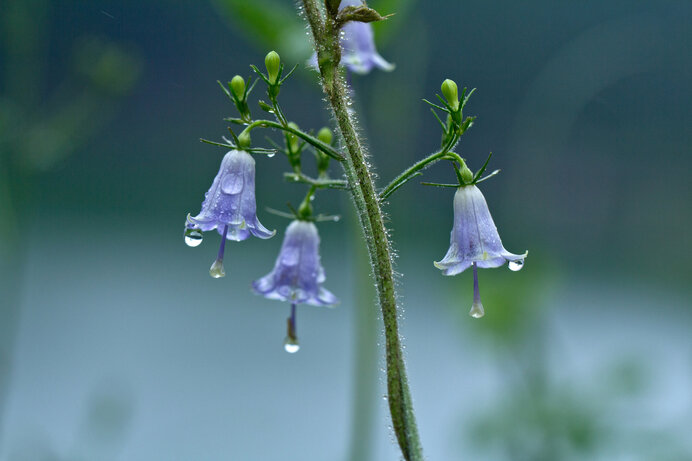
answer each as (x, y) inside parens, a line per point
(297, 276)
(475, 242)
(229, 207)
(358, 52)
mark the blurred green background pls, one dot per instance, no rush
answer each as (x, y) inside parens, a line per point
(115, 344)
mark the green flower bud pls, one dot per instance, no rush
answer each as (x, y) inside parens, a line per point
(244, 139)
(292, 140)
(451, 93)
(273, 63)
(466, 174)
(325, 135)
(238, 87)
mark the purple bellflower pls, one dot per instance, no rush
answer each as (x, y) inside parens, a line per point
(297, 276)
(358, 51)
(475, 242)
(229, 207)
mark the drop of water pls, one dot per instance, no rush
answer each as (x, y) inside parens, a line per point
(477, 311)
(271, 154)
(216, 270)
(291, 345)
(516, 265)
(232, 184)
(193, 237)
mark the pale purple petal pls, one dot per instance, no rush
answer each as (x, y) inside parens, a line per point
(474, 237)
(298, 275)
(230, 200)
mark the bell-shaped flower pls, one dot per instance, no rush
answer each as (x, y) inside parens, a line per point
(297, 276)
(358, 51)
(474, 241)
(229, 206)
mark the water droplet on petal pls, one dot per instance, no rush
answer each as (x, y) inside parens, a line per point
(216, 270)
(291, 345)
(232, 183)
(477, 311)
(290, 256)
(193, 237)
(516, 265)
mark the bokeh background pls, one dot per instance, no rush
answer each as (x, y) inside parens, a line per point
(115, 344)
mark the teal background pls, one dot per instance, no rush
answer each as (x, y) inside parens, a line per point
(115, 344)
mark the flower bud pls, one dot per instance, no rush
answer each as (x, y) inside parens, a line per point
(238, 87)
(325, 135)
(291, 139)
(244, 139)
(466, 174)
(451, 93)
(273, 63)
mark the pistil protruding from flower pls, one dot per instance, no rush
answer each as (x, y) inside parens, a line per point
(477, 308)
(216, 270)
(291, 342)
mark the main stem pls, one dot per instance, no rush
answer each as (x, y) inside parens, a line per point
(365, 197)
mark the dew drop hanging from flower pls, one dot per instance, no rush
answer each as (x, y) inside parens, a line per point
(474, 241)
(297, 275)
(229, 207)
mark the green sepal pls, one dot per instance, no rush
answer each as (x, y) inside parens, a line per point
(487, 177)
(482, 170)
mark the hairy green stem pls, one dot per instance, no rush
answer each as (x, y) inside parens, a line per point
(326, 36)
(414, 169)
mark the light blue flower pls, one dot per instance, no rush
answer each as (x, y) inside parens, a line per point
(229, 207)
(474, 241)
(297, 276)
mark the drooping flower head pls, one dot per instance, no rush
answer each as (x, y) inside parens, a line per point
(358, 51)
(298, 275)
(229, 206)
(474, 241)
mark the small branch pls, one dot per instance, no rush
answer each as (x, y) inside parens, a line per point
(313, 141)
(415, 169)
(319, 183)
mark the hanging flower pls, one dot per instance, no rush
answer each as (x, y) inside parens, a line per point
(475, 242)
(229, 207)
(297, 276)
(358, 51)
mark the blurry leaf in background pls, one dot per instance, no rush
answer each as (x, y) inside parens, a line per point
(274, 24)
(270, 24)
(109, 67)
(102, 72)
(540, 426)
